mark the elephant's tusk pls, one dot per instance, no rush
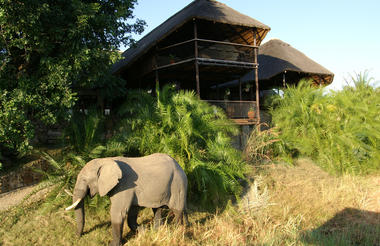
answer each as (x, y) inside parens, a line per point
(73, 205)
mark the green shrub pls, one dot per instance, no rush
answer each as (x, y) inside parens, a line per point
(16, 130)
(85, 140)
(196, 134)
(84, 131)
(338, 130)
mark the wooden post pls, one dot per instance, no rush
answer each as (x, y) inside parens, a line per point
(256, 76)
(240, 95)
(196, 59)
(157, 78)
(100, 101)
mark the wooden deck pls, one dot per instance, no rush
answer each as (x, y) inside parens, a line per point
(245, 121)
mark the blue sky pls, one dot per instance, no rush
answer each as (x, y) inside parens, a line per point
(341, 35)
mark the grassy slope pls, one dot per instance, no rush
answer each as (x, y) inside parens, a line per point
(299, 205)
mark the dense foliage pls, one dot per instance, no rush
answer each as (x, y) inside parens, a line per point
(47, 48)
(196, 134)
(339, 130)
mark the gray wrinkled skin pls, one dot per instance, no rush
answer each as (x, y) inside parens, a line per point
(152, 181)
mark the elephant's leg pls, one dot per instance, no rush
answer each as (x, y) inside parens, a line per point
(186, 218)
(117, 221)
(179, 214)
(132, 218)
(157, 217)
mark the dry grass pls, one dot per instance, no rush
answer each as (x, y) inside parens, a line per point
(299, 205)
(324, 207)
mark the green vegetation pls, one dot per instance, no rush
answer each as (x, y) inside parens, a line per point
(196, 134)
(48, 49)
(298, 205)
(55, 49)
(338, 130)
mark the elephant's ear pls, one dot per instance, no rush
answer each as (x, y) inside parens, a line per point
(108, 177)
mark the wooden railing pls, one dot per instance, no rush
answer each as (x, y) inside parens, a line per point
(208, 51)
(242, 112)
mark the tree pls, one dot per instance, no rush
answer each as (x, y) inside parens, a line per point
(47, 49)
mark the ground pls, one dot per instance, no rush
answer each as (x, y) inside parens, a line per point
(12, 198)
(285, 205)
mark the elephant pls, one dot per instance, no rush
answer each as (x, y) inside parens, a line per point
(153, 181)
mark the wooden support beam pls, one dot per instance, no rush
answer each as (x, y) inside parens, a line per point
(196, 61)
(155, 62)
(177, 44)
(259, 36)
(218, 62)
(207, 41)
(175, 64)
(217, 92)
(238, 33)
(226, 43)
(211, 62)
(256, 77)
(156, 77)
(240, 95)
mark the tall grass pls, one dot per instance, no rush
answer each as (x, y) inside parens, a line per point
(338, 130)
(301, 205)
(196, 134)
(259, 147)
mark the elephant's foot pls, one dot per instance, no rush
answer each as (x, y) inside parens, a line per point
(115, 243)
(132, 218)
(134, 228)
(117, 232)
(141, 229)
(180, 217)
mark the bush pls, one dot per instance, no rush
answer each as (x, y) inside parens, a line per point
(338, 130)
(259, 147)
(16, 130)
(84, 131)
(194, 133)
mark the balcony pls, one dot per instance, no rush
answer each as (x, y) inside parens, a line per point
(208, 52)
(216, 63)
(241, 112)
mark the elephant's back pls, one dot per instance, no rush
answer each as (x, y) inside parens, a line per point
(157, 175)
(156, 159)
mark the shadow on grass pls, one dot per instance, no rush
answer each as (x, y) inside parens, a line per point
(348, 227)
(98, 226)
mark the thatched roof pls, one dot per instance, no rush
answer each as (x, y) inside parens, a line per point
(276, 56)
(209, 10)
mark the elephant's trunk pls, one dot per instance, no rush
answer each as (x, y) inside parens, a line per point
(80, 192)
(79, 214)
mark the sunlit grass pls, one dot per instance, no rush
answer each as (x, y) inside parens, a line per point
(300, 205)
